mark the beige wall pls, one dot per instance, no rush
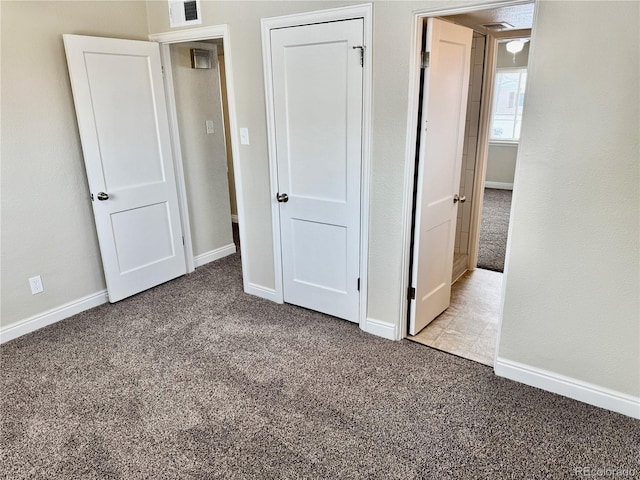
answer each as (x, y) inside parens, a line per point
(204, 157)
(501, 162)
(47, 223)
(572, 274)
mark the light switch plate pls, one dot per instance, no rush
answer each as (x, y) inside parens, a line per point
(210, 127)
(244, 136)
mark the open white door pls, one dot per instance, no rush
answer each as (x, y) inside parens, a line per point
(122, 117)
(317, 92)
(446, 85)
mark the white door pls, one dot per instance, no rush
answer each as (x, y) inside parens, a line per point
(317, 91)
(122, 117)
(446, 85)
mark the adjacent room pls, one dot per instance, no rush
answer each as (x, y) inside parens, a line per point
(469, 324)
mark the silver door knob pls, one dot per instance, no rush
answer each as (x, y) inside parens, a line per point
(282, 197)
(457, 198)
(102, 196)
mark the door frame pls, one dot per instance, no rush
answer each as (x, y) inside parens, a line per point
(412, 138)
(165, 39)
(330, 15)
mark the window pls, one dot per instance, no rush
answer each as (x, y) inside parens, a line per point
(506, 117)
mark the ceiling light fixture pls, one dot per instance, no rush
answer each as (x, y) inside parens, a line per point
(515, 46)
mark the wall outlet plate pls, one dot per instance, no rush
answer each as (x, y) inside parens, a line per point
(36, 285)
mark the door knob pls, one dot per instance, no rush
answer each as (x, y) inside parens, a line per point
(102, 196)
(282, 197)
(457, 198)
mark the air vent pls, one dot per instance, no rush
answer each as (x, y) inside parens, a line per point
(497, 26)
(184, 12)
(190, 11)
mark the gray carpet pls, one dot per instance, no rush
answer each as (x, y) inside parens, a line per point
(494, 227)
(196, 380)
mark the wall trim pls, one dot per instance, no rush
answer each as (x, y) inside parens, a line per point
(215, 254)
(262, 292)
(364, 11)
(54, 315)
(190, 34)
(498, 185)
(569, 387)
(381, 329)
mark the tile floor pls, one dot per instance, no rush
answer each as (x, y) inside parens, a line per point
(469, 327)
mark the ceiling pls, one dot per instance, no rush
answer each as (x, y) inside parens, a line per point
(519, 16)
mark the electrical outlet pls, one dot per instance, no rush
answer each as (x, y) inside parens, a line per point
(36, 285)
(210, 127)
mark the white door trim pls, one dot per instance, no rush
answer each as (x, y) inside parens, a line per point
(345, 13)
(412, 126)
(192, 35)
(167, 71)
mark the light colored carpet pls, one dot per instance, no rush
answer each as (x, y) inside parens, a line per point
(196, 380)
(494, 228)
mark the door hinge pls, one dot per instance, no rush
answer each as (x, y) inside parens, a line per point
(358, 284)
(424, 59)
(91, 196)
(411, 293)
(162, 69)
(361, 47)
(183, 240)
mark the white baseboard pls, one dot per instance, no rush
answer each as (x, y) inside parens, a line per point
(381, 329)
(212, 255)
(262, 292)
(54, 315)
(569, 387)
(499, 185)
(234, 218)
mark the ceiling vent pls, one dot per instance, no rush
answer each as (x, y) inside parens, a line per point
(184, 12)
(497, 26)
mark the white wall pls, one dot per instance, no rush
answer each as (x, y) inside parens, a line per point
(501, 163)
(572, 278)
(47, 223)
(204, 156)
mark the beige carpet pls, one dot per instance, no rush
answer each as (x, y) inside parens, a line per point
(196, 380)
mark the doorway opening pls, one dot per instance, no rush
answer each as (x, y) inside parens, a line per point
(201, 108)
(466, 323)
(196, 71)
